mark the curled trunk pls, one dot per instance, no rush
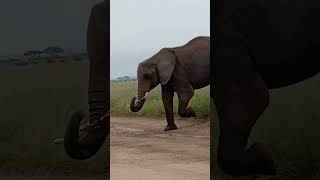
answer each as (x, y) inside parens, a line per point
(78, 150)
(137, 104)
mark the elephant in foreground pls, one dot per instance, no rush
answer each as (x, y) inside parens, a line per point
(87, 131)
(182, 70)
(258, 46)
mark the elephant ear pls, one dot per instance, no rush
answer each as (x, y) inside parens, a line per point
(165, 65)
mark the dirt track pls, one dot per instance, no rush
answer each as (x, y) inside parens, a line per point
(141, 150)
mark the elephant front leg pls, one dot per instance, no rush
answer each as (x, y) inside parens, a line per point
(167, 98)
(184, 96)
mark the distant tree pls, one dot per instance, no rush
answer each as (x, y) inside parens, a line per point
(33, 53)
(76, 57)
(49, 60)
(53, 50)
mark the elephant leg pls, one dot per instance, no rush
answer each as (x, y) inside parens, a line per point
(167, 99)
(238, 108)
(184, 97)
(241, 96)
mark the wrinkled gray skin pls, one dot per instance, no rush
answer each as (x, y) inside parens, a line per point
(182, 70)
(259, 45)
(87, 131)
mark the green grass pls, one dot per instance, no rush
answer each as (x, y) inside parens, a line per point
(36, 103)
(289, 127)
(121, 94)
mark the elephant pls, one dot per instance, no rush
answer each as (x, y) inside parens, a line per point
(259, 46)
(180, 69)
(87, 130)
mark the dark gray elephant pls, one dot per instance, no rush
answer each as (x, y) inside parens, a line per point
(182, 70)
(259, 45)
(86, 132)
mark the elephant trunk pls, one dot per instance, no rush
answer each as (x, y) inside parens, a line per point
(86, 132)
(137, 104)
(82, 144)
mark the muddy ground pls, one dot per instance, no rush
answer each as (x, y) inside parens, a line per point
(141, 150)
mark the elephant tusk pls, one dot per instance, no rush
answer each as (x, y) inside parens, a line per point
(58, 141)
(138, 101)
(145, 96)
(107, 114)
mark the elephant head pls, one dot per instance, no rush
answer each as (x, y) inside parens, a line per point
(151, 72)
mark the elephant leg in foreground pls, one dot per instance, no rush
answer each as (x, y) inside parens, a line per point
(238, 108)
(86, 132)
(184, 98)
(167, 99)
(241, 96)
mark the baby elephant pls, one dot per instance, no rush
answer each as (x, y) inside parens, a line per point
(181, 70)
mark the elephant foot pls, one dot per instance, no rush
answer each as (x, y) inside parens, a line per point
(264, 156)
(171, 127)
(255, 161)
(188, 113)
(192, 113)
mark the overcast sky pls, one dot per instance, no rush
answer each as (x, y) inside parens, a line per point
(139, 28)
(36, 24)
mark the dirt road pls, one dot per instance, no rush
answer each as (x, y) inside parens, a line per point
(141, 150)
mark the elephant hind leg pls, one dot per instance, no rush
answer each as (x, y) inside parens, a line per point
(184, 98)
(241, 96)
(239, 105)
